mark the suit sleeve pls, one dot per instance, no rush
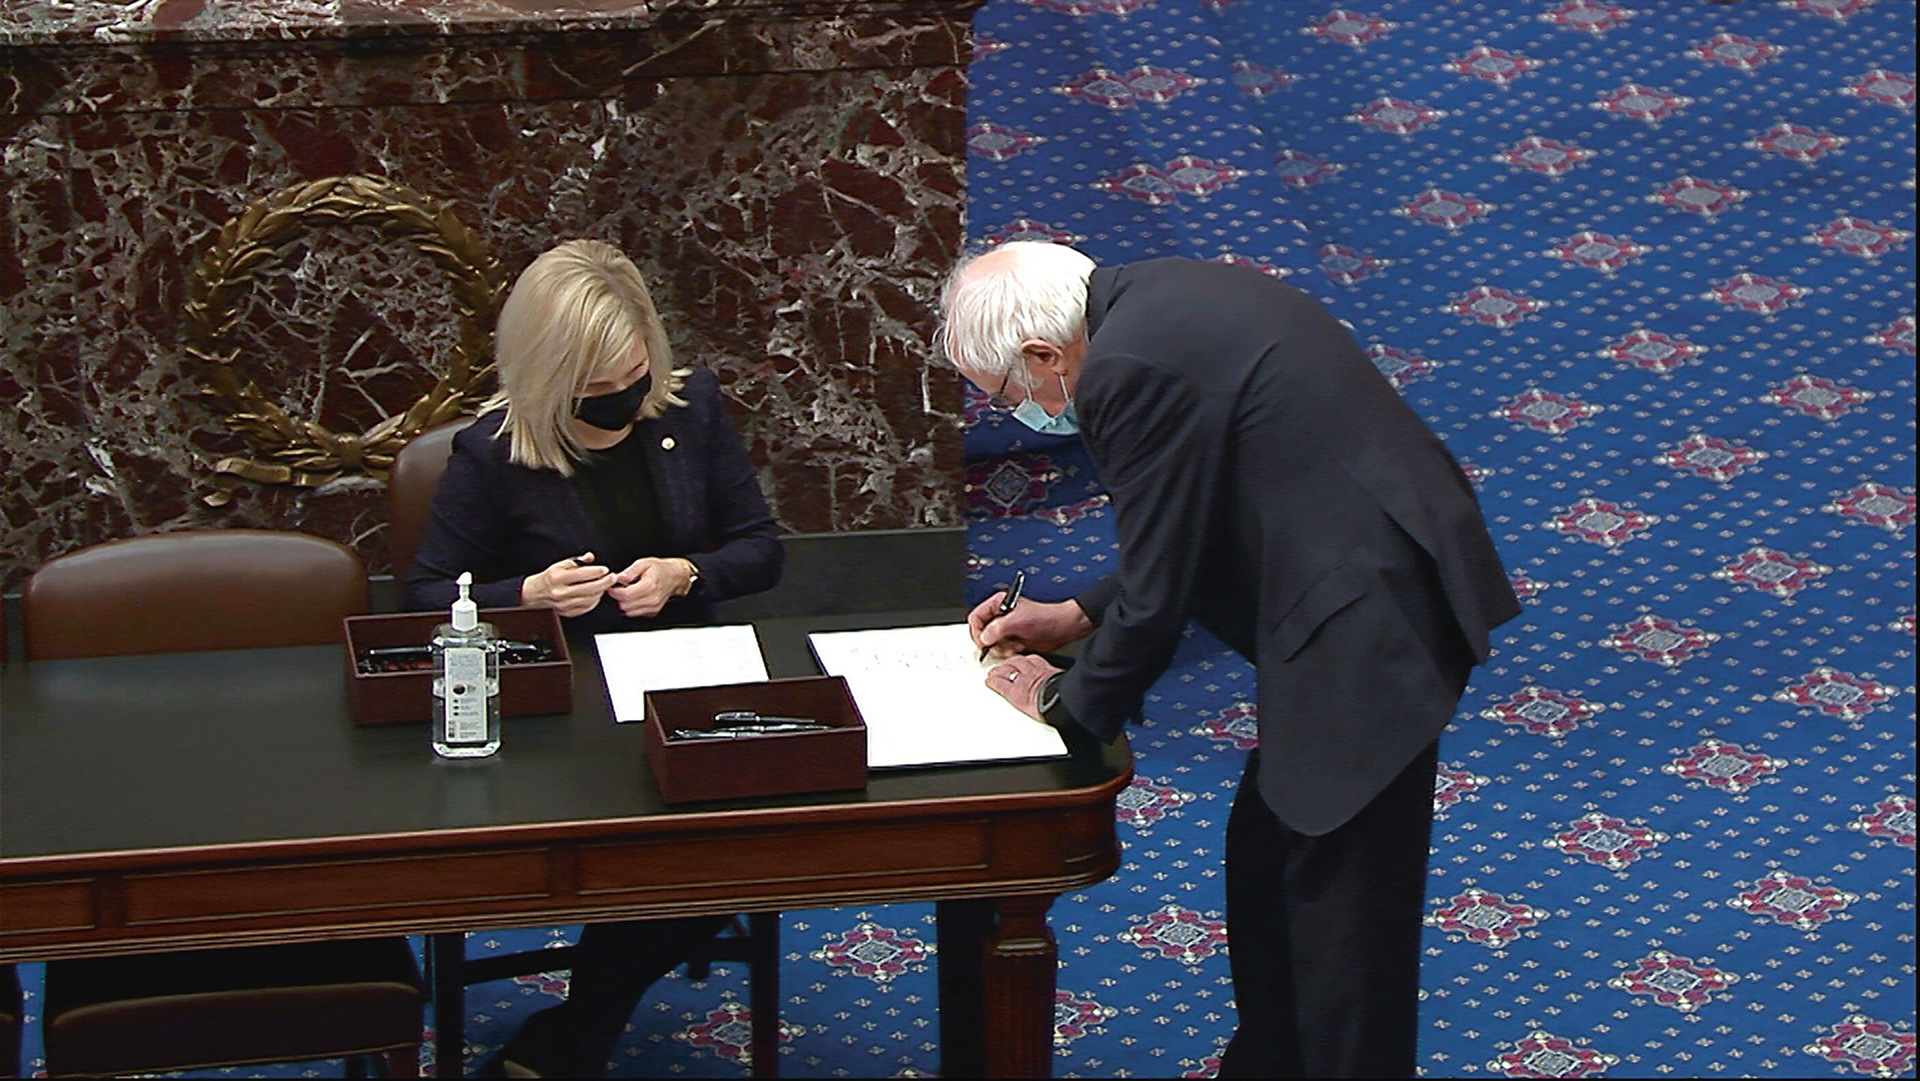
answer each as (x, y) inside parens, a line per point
(747, 556)
(1163, 460)
(467, 530)
(1098, 597)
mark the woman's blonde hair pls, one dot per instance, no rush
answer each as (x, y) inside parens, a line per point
(574, 310)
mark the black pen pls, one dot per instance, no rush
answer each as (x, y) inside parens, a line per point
(1011, 598)
(582, 559)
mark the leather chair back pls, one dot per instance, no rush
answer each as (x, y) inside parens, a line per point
(410, 487)
(179, 592)
(12, 1011)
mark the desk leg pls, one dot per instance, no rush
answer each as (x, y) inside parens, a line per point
(1021, 965)
(962, 928)
(763, 991)
(446, 962)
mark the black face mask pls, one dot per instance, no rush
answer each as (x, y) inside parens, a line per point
(612, 412)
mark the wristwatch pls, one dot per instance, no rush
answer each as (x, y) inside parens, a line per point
(693, 574)
(1047, 701)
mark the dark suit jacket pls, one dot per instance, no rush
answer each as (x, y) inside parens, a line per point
(1269, 481)
(504, 521)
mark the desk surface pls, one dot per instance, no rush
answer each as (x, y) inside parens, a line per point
(218, 799)
(125, 761)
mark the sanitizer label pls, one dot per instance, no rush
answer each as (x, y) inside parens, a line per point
(466, 689)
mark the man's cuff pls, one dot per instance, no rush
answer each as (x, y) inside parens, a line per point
(1053, 708)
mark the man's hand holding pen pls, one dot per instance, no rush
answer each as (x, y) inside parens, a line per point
(1029, 627)
(1012, 628)
(1009, 599)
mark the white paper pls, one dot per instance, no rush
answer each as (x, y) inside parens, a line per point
(635, 662)
(925, 698)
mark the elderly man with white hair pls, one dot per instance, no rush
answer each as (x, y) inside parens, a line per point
(1268, 482)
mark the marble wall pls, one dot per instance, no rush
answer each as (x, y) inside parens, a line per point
(789, 176)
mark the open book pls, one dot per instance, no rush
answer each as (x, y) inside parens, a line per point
(925, 699)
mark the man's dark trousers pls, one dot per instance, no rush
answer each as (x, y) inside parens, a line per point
(1343, 911)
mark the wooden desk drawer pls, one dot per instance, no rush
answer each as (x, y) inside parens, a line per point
(46, 906)
(348, 885)
(950, 849)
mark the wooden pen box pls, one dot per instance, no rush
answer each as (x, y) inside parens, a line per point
(380, 698)
(774, 764)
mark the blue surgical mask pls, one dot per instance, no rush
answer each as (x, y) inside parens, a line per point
(1033, 416)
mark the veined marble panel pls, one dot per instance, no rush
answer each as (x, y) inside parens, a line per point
(795, 222)
(321, 73)
(68, 22)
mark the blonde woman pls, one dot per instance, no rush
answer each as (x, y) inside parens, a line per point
(601, 481)
(607, 485)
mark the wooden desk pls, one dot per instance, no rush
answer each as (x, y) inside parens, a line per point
(192, 800)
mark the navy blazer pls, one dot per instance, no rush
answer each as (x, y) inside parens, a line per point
(1268, 481)
(504, 521)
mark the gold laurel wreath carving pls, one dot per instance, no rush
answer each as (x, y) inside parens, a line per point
(303, 453)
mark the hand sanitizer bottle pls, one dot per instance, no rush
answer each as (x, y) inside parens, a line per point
(466, 683)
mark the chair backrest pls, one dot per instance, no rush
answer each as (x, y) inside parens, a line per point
(178, 592)
(12, 1012)
(410, 486)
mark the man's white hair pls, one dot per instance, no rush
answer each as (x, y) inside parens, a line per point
(1022, 290)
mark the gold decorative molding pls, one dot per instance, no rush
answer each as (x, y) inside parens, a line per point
(303, 453)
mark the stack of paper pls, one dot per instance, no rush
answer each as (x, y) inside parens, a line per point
(924, 697)
(635, 662)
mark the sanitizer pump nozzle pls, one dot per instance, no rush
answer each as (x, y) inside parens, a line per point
(466, 614)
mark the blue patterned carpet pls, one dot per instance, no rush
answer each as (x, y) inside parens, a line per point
(1649, 272)
(1648, 269)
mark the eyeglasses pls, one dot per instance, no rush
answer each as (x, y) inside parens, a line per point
(997, 401)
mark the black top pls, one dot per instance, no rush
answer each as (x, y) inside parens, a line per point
(615, 487)
(1268, 481)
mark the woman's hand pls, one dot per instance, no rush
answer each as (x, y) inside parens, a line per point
(1032, 626)
(571, 587)
(648, 584)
